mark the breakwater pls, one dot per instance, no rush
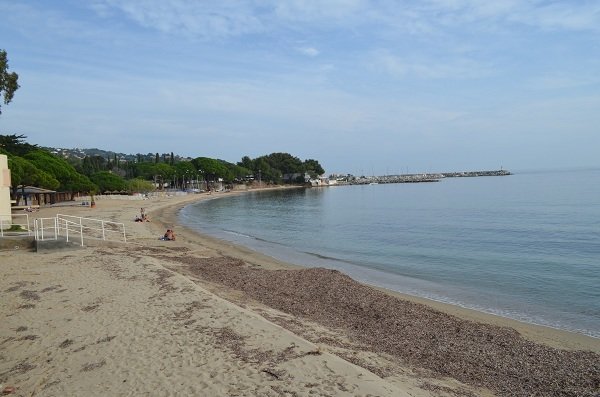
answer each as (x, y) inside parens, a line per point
(415, 178)
(475, 173)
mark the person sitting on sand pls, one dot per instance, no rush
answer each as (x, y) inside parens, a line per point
(169, 235)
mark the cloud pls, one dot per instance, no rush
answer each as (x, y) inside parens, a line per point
(327, 10)
(309, 51)
(584, 15)
(428, 68)
(563, 81)
(236, 18)
(198, 19)
(563, 16)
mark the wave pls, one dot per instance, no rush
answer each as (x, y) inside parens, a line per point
(330, 258)
(248, 236)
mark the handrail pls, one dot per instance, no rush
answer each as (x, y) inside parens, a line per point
(39, 228)
(70, 225)
(105, 226)
(11, 223)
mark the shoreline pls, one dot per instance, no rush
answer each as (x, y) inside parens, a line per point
(201, 316)
(550, 336)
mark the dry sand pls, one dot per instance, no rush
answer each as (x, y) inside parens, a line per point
(199, 316)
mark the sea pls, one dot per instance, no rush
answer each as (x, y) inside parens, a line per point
(524, 246)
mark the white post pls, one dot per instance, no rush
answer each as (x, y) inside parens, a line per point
(42, 224)
(56, 228)
(67, 230)
(81, 229)
(103, 233)
(124, 236)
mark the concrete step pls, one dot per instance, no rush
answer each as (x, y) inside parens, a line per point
(12, 243)
(60, 243)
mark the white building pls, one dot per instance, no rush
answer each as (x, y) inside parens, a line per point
(4, 189)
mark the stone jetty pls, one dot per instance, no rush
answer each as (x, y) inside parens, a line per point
(414, 178)
(475, 173)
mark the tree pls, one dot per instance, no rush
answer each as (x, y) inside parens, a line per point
(24, 172)
(275, 166)
(266, 172)
(313, 168)
(92, 164)
(70, 180)
(8, 81)
(138, 185)
(165, 171)
(284, 162)
(246, 163)
(183, 169)
(215, 168)
(15, 144)
(107, 181)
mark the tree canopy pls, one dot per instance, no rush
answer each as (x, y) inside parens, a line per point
(108, 182)
(213, 169)
(8, 81)
(70, 180)
(16, 145)
(35, 166)
(24, 172)
(275, 166)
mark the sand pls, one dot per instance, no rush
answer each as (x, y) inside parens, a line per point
(199, 316)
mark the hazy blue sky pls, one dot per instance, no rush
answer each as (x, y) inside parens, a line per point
(363, 86)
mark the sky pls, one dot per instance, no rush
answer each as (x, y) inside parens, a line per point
(365, 87)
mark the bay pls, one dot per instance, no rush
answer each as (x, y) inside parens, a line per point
(525, 246)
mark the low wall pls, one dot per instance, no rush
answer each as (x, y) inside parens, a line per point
(13, 243)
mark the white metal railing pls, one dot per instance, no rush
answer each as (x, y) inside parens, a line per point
(12, 227)
(78, 228)
(94, 228)
(44, 227)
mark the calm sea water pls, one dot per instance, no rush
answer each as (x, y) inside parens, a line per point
(525, 246)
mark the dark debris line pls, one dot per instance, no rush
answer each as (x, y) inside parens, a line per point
(477, 354)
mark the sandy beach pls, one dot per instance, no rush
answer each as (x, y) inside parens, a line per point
(199, 316)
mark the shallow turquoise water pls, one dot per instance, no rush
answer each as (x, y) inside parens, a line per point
(525, 246)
